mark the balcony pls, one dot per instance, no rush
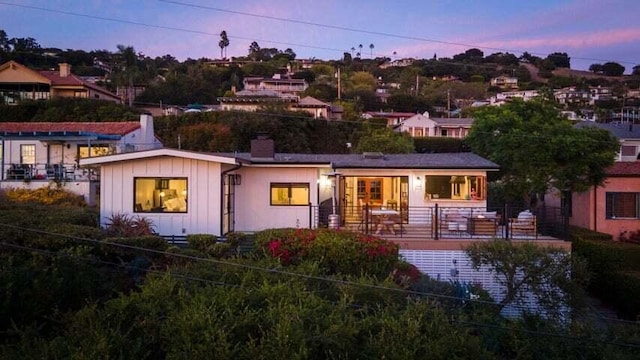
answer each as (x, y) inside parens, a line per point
(48, 172)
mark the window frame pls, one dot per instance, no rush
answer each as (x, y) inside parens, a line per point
(612, 197)
(110, 147)
(289, 186)
(22, 153)
(457, 188)
(161, 183)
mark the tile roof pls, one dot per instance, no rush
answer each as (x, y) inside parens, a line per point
(624, 168)
(72, 80)
(106, 128)
(387, 161)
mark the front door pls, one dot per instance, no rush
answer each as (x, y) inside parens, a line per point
(370, 191)
(228, 203)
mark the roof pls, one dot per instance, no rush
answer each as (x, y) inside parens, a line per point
(619, 130)
(154, 153)
(105, 128)
(72, 80)
(624, 168)
(390, 114)
(387, 161)
(311, 101)
(454, 121)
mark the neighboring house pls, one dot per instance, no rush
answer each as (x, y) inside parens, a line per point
(186, 192)
(613, 208)
(627, 133)
(393, 118)
(283, 86)
(397, 63)
(505, 82)
(17, 82)
(421, 125)
(35, 154)
(501, 98)
(251, 100)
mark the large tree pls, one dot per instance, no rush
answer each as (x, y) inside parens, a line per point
(537, 149)
(386, 141)
(223, 43)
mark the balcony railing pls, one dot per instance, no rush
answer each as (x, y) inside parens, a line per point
(446, 223)
(48, 172)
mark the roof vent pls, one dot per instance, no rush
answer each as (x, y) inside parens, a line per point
(373, 155)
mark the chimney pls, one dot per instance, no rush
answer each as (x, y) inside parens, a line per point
(262, 147)
(65, 69)
(147, 134)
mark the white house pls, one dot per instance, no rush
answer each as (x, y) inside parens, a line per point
(185, 192)
(35, 154)
(421, 125)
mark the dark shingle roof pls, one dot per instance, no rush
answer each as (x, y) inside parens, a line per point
(387, 161)
(619, 130)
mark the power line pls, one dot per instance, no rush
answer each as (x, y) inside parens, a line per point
(363, 31)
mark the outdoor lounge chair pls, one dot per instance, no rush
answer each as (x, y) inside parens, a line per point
(524, 224)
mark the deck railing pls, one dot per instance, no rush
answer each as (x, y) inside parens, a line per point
(47, 172)
(438, 222)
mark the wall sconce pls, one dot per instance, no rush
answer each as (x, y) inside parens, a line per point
(418, 177)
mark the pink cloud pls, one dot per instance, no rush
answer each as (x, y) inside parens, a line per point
(575, 41)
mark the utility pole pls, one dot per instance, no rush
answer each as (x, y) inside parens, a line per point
(417, 84)
(448, 103)
(339, 96)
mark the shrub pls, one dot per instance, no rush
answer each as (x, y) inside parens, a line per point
(130, 250)
(586, 234)
(123, 225)
(201, 242)
(49, 195)
(335, 251)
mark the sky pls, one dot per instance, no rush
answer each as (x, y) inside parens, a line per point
(589, 31)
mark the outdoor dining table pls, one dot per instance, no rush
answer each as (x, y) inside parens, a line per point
(382, 219)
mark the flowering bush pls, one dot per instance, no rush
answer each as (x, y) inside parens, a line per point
(335, 251)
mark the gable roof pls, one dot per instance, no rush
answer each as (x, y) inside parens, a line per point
(73, 80)
(35, 76)
(311, 102)
(624, 169)
(22, 129)
(162, 152)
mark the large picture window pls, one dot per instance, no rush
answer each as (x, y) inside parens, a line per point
(290, 194)
(28, 154)
(623, 205)
(455, 187)
(160, 195)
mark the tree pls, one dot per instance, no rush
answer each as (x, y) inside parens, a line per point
(538, 150)
(254, 50)
(612, 69)
(127, 69)
(386, 141)
(371, 46)
(223, 43)
(561, 60)
(636, 70)
(360, 50)
(551, 275)
(596, 68)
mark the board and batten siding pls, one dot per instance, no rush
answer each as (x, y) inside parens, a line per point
(254, 211)
(204, 191)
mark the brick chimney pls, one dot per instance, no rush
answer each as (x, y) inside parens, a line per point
(65, 69)
(262, 147)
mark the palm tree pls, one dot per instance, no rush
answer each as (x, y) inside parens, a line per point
(128, 68)
(371, 48)
(352, 50)
(360, 47)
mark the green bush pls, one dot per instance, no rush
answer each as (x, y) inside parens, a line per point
(201, 242)
(623, 292)
(576, 232)
(133, 246)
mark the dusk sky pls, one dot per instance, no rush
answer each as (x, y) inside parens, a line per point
(590, 31)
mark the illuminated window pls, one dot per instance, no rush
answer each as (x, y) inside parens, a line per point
(85, 151)
(455, 187)
(28, 154)
(289, 194)
(160, 195)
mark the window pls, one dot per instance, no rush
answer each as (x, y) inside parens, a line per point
(289, 194)
(443, 133)
(85, 151)
(160, 195)
(28, 154)
(455, 187)
(622, 205)
(628, 150)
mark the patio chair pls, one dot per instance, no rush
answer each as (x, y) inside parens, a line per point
(524, 224)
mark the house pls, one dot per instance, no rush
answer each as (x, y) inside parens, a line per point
(393, 118)
(17, 82)
(255, 100)
(421, 125)
(627, 133)
(505, 82)
(185, 192)
(614, 208)
(282, 86)
(35, 154)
